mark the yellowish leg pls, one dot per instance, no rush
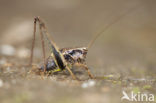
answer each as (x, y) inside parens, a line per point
(71, 73)
(68, 68)
(86, 68)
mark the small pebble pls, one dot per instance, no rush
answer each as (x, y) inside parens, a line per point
(89, 83)
(84, 85)
(23, 53)
(7, 50)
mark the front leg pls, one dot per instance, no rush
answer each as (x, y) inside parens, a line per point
(86, 68)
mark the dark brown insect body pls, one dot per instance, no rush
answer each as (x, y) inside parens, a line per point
(59, 59)
(65, 58)
(71, 55)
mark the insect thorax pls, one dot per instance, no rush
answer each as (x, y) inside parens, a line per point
(71, 55)
(74, 55)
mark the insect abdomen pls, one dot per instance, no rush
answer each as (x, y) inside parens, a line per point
(50, 65)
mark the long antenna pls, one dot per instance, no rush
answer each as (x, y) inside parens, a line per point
(109, 25)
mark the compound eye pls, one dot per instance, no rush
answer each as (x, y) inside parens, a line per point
(85, 49)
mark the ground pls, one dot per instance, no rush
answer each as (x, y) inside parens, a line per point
(18, 85)
(123, 58)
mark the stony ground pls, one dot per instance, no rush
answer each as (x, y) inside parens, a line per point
(18, 85)
(123, 58)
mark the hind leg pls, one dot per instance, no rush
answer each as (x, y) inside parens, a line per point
(33, 43)
(86, 68)
(59, 58)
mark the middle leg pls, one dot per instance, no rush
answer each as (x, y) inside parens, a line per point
(86, 68)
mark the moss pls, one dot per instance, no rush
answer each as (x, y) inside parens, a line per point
(136, 89)
(147, 87)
